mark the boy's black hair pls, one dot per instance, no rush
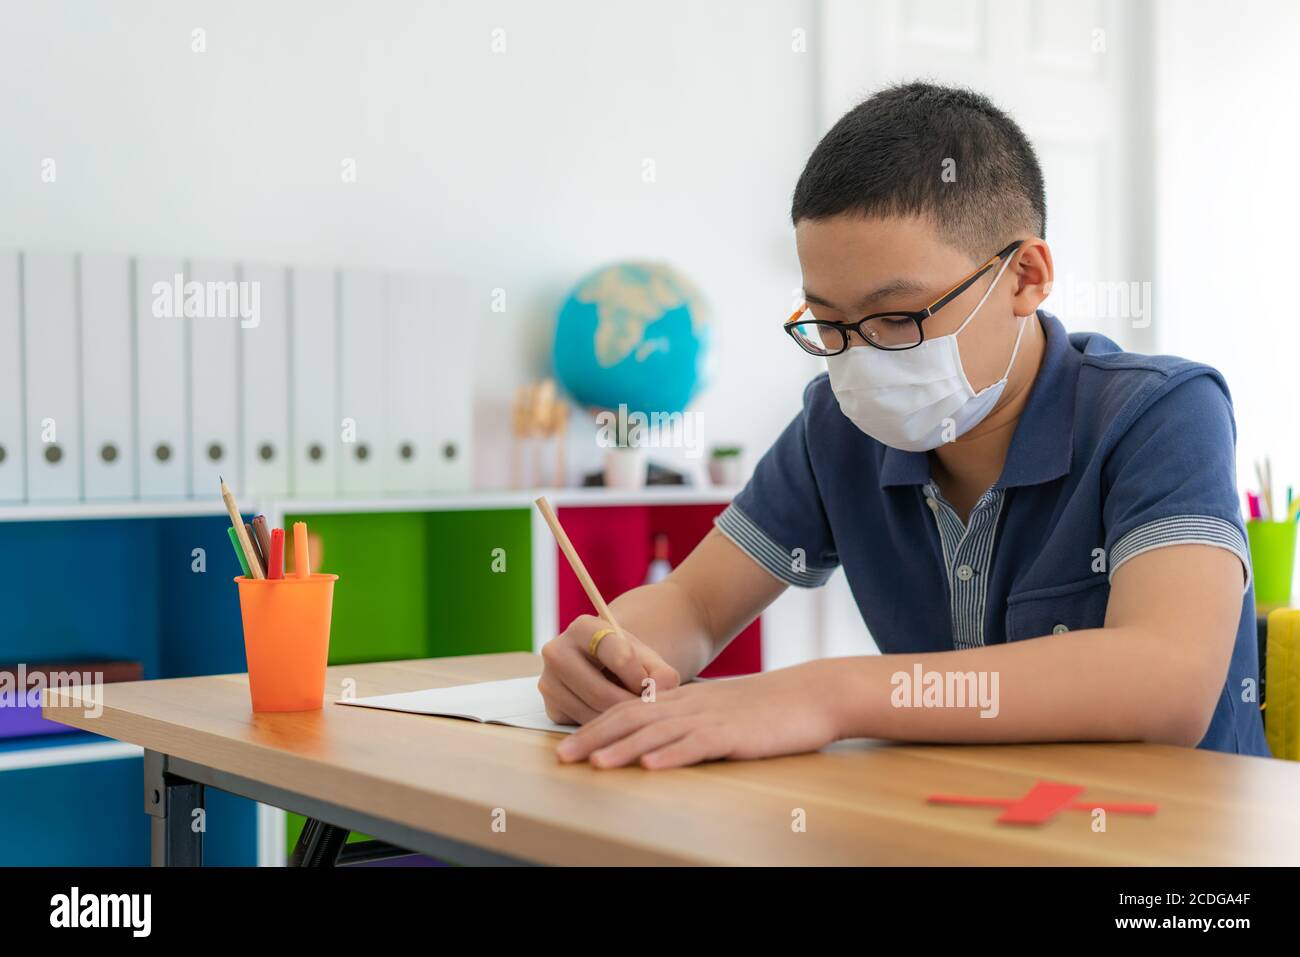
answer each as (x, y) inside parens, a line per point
(888, 155)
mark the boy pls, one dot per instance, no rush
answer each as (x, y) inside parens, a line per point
(982, 477)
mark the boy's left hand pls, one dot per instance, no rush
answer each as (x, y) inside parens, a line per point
(779, 712)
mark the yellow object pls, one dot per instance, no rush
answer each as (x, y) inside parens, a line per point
(597, 638)
(1282, 692)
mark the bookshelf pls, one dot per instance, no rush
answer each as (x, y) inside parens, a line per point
(420, 576)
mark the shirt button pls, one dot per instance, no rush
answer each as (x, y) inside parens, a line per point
(965, 572)
(1060, 629)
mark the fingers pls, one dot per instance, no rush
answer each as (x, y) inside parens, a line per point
(698, 744)
(617, 723)
(617, 653)
(562, 705)
(664, 675)
(573, 669)
(654, 735)
(628, 750)
(572, 683)
(583, 676)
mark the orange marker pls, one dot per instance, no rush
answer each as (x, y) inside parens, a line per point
(275, 561)
(301, 556)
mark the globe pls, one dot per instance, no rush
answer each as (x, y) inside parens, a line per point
(634, 334)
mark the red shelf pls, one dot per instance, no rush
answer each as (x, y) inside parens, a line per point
(617, 543)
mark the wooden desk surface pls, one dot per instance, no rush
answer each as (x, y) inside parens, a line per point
(864, 800)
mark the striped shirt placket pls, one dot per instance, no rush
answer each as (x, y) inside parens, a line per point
(967, 555)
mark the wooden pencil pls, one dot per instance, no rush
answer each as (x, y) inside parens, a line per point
(575, 562)
(250, 554)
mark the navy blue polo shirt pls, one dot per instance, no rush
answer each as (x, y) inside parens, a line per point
(1114, 454)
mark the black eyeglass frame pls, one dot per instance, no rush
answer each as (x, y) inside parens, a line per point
(844, 328)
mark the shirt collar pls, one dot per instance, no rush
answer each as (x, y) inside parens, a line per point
(1042, 446)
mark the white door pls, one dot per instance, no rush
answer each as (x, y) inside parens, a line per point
(1072, 74)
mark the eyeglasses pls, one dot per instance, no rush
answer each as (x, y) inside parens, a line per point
(892, 331)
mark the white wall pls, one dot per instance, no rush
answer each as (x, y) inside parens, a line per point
(520, 170)
(1228, 135)
(523, 170)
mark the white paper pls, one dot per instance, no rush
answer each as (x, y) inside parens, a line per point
(515, 702)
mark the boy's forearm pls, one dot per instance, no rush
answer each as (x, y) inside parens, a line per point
(664, 617)
(1115, 684)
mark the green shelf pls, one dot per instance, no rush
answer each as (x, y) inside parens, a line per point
(424, 585)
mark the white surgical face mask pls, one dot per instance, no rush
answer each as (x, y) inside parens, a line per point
(915, 399)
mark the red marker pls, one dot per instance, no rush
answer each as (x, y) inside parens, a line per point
(275, 562)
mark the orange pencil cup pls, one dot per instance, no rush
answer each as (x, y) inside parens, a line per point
(286, 639)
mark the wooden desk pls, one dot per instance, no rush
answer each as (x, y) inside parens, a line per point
(432, 784)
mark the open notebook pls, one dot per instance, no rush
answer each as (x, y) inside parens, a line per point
(515, 702)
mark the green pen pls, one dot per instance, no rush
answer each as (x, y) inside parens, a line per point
(239, 552)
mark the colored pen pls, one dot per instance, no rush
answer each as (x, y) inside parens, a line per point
(257, 555)
(301, 552)
(262, 539)
(275, 560)
(1252, 501)
(239, 552)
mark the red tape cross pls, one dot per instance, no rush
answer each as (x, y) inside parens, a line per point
(1041, 804)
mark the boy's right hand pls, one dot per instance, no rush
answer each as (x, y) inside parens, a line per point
(577, 688)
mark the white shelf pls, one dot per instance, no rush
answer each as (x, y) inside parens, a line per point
(59, 754)
(77, 511)
(513, 498)
(434, 502)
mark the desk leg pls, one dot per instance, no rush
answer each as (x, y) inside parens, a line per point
(171, 801)
(318, 845)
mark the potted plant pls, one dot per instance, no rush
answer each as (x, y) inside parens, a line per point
(625, 459)
(726, 465)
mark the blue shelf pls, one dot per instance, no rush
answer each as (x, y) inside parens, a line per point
(114, 588)
(42, 741)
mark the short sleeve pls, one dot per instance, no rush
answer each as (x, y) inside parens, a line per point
(778, 518)
(1172, 477)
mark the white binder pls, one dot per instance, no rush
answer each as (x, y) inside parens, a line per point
(313, 347)
(265, 353)
(53, 388)
(452, 356)
(161, 378)
(107, 364)
(411, 449)
(215, 450)
(363, 399)
(13, 477)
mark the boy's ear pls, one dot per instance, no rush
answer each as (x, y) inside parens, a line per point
(1033, 277)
